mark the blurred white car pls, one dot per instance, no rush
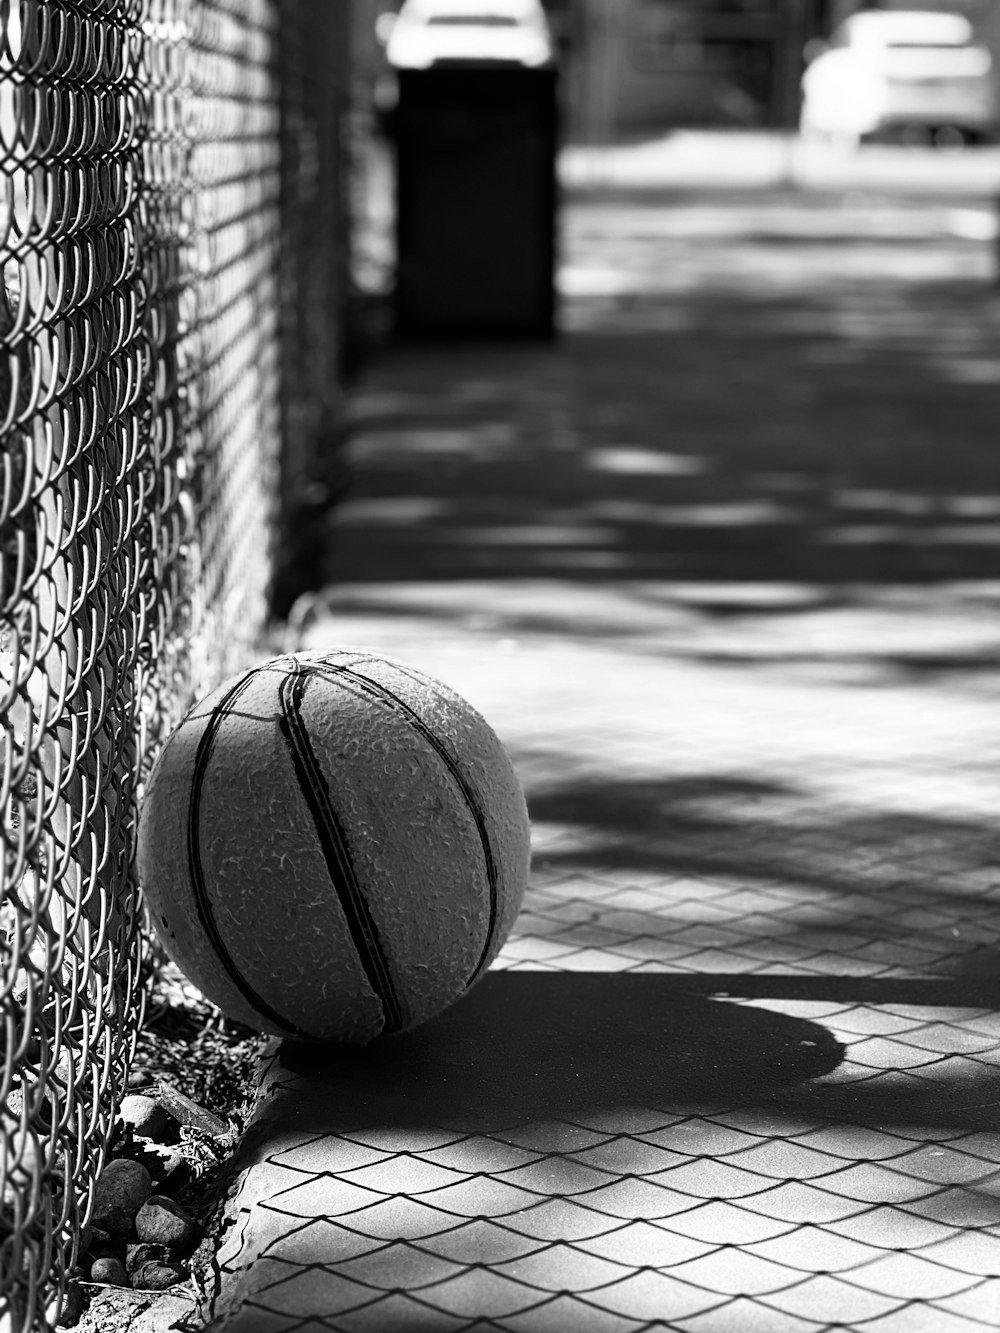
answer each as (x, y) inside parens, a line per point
(432, 32)
(886, 70)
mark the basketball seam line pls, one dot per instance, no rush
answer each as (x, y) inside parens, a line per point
(333, 841)
(202, 902)
(403, 709)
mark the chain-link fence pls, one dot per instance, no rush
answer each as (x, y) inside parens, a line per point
(168, 221)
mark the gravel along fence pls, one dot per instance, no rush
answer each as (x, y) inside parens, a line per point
(154, 156)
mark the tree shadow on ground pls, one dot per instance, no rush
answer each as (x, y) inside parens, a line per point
(887, 894)
(716, 433)
(913, 668)
(762, 403)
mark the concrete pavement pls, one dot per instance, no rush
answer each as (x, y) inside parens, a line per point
(721, 568)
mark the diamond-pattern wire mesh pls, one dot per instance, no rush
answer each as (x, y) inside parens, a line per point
(140, 230)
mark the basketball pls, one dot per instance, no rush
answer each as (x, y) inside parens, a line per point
(333, 846)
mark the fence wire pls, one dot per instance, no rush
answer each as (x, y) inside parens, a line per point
(142, 215)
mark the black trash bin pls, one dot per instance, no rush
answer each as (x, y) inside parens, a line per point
(476, 200)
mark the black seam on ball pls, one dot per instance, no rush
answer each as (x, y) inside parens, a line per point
(202, 901)
(336, 852)
(403, 709)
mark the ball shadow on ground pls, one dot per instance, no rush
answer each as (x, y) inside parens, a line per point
(531, 1046)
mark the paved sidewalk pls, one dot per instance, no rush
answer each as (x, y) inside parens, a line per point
(721, 567)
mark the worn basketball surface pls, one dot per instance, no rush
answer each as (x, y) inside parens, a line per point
(333, 846)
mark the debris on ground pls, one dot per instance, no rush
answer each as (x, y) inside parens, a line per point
(158, 1200)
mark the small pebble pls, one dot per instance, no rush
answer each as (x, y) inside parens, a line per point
(122, 1188)
(147, 1117)
(100, 1244)
(187, 1112)
(160, 1221)
(111, 1271)
(165, 1163)
(143, 1253)
(157, 1276)
(139, 1077)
